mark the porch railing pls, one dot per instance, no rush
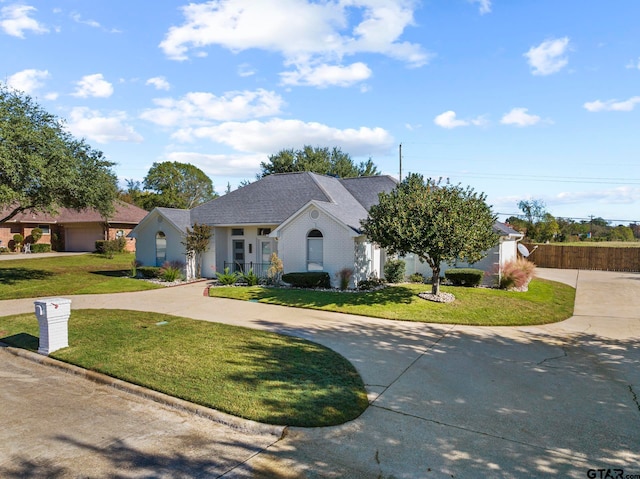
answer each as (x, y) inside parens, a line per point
(259, 269)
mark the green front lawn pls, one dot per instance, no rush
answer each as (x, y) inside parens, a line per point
(545, 302)
(61, 275)
(253, 374)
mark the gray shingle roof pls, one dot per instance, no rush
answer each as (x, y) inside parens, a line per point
(180, 218)
(274, 198)
(366, 189)
(504, 230)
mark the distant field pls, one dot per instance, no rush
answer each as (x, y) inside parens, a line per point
(602, 244)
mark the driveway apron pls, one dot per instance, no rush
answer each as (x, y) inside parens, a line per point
(454, 401)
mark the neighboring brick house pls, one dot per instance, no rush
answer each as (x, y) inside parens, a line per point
(72, 230)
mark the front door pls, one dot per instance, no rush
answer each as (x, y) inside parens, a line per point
(238, 255)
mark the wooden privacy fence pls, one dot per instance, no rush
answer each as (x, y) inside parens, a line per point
(601, 258)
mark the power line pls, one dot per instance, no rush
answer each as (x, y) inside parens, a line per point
(553, 179)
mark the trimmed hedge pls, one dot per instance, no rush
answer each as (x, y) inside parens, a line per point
(148, 272)
(314, 279)
(41, 248)
(111, 246)
(469, 277)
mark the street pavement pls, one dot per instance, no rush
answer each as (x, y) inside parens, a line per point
(446, 401)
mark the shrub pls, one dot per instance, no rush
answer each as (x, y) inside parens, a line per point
(311, 279)
(227, 278)
(370, 283)
(149, 272)
(4, 249)
(394, 271)
(110, 247)
(416, 278)
(17, 242)
(274, 273)
(517, 274)
(469, 277)
(171, 271)
(344, 277)
(36, 234)
(41, 248)
(250, 278)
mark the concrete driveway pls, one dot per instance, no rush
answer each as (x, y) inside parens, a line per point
(446, 401)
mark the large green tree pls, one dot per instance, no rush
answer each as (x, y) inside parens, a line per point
(176, 185)
(437, 222)
(324, 161)
(43, 167)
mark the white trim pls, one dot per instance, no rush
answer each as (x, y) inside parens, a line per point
(313, 204)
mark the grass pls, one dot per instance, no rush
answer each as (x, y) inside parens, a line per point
(601, 244)
(60, 275)
(253, 374)
(545, 302)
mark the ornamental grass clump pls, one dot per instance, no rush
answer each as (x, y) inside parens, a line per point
(516, 275)
(171, 271)
(344, 277)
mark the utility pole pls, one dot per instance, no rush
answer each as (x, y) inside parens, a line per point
(400, 157)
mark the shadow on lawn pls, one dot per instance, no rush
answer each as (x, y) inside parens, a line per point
(116, 273)
(11, 276)
(307, 298)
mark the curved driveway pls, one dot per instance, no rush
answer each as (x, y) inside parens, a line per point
(452, 401)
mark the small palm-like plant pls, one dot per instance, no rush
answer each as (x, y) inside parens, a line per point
(171, 271)
(250, 278)
(227, 278)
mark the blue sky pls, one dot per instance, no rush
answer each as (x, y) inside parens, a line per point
(520, 99)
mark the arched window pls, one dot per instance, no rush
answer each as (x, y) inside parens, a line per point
(161, 248)
(314, 251)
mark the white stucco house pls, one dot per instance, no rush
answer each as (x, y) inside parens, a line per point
(311, 221)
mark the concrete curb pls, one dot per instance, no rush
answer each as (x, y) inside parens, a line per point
(244, 425)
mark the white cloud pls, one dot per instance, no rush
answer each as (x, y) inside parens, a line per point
(15, 20)
(634, 64)
(519, 117)
(201, 108)
(245, 70)
(321, 33)
(76, 17)
(449, 120)
(28, 80)
(91, 124)
(619, 195)
(276, 134)
(160, 83)
(612, 105)
(548, 57)
(484, 6)
(93, 86)
(231, 165)
(327, 75)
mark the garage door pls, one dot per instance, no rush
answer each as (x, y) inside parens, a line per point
(83, 238)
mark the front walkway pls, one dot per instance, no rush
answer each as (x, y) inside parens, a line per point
(554, 400)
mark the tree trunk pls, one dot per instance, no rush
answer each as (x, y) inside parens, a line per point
(435, 281)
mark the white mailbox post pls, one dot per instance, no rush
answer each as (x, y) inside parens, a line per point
(53, 318)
